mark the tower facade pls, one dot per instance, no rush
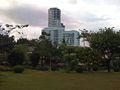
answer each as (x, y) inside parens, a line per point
(56, 30)
(54, 17)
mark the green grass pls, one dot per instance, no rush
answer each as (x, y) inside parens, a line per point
(36, 80)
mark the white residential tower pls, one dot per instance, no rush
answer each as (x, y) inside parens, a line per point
(56, 30)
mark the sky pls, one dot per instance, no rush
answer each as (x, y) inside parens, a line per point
(75, 14)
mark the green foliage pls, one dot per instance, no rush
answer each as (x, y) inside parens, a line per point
(21, 47)
(54, 68)
(16, 58)
(44, 48)
(6, 43)
(3, 58)
(34, 58)
(18, 69)
(50, 54)
(42, 68)
(46, 51)
(23, 41)
(116, 69)
(18, 55)
(67, 69)
(116, 62)
(79, 69)
(69, 56)
(95, 68)
(106, 40)
(5, 68)
(71, 61)
(87, 55)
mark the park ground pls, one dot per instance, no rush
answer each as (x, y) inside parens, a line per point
(37, 80)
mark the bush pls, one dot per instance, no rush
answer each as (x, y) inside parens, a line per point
(67, 69)
(54, 68)
(42, 68)
(4, 68)
(18, 69)
(16, 58)
(116, 70)
(34, 59)
(95, 68)
(79, 69)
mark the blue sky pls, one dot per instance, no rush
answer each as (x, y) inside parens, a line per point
(89, 14)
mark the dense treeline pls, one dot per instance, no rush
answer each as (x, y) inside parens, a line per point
(103, 53)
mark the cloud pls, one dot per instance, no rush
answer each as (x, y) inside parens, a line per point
(113, 2)
(37, 17)
(89, 17)
(70, 22)
(94, 22)
(86, 20)
(73, 1)
(27, 14)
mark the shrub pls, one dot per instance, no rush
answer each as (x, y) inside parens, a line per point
(79, 69)
(18, 69)
(16, 58)
(4, 68)
(116, 70)
(42, 68)
(54, 68)
(34, 59)
(95, 68)
(67, 69)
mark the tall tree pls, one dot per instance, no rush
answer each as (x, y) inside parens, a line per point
(6, 44)
(46, 50)
(16, 58)
(34, 58)
(107, 42)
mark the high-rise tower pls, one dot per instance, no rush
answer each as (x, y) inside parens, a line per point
(56, 30)
(54, 17)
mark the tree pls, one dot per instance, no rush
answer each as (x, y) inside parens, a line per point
(69, 56)
(84, 35)
(16, 58)
(46, 50)
(34, 58)
(86, 55)
(21, 47)
(106, 42)
(18, 55)
(23, 41)
(6, 39)
(6, 44)
(71, 61)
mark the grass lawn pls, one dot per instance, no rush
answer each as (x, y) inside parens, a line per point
(36, 80)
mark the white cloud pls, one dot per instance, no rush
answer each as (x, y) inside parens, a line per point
(89, 14)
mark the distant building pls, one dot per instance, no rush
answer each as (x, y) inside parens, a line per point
(54, 17)
(56, 30)
(71, 37)
(56, 34)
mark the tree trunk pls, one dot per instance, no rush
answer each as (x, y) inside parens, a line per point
(50, 64)
(108, 65)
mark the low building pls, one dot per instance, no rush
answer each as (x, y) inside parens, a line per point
(55, 34)
(71, 38)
